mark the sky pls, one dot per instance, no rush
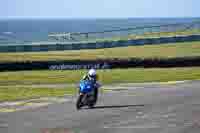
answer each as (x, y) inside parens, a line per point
(98, 8)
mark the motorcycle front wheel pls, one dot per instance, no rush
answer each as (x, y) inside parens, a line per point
(79, 102)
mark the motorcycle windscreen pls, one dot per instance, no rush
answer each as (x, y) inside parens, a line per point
(85, 87)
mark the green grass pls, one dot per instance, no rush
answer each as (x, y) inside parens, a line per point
(105, 76)
(21, 93)
(10, 82)
(186, 49)
(166, 34)
(152, 35)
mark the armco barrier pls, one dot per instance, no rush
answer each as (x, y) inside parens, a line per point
(97, 45)
(101, 64)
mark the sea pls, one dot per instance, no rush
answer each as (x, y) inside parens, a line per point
(36, 30)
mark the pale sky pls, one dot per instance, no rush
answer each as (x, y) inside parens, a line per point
(99, 8)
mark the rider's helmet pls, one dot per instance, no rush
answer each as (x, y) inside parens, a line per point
(92, 73)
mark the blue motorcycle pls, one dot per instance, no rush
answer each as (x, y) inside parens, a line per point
(88, 93)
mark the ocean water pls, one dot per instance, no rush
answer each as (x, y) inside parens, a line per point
(35, 30)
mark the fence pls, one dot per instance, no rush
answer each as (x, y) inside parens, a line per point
(101, 64)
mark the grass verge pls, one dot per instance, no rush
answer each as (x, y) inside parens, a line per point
(21, 93)
(9, 81)
(105, 76)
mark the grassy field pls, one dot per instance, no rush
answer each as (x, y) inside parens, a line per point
(186, 49)
(12, 93)
(149, 34)
(153, 35)
(105, 76)
(10, 81)
(18, 85)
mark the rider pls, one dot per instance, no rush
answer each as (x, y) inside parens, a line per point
(92, 76)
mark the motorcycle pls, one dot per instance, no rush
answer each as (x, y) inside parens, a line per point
(87, 93)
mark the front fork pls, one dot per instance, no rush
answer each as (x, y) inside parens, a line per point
(95, 95)
(83, 100)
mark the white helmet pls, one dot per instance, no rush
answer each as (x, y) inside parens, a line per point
(92, 72)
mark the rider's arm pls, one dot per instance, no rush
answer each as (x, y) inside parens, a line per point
(84, 77)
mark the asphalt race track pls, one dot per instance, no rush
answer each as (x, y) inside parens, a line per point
(161, 108)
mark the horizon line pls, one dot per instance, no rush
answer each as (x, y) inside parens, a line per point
(162, 17)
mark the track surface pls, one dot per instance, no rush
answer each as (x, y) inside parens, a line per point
(138, 109)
